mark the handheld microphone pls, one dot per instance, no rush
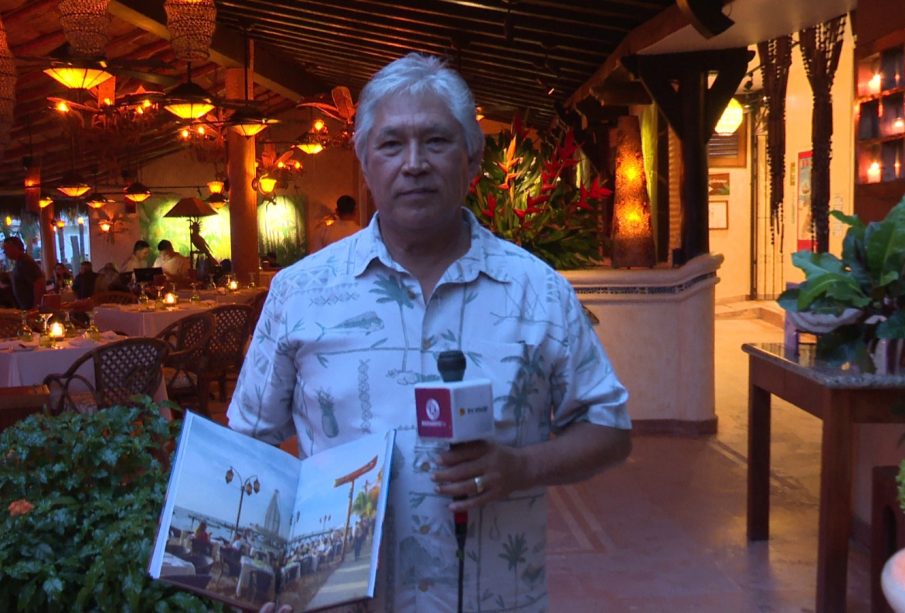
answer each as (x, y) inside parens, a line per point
(453, 412)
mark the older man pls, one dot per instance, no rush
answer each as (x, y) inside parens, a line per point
(27, 276)
(348, 331)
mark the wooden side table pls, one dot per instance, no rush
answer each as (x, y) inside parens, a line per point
(840, 398)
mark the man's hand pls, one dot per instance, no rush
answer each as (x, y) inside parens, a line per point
(479, 472)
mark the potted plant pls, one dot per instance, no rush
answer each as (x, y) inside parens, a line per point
(80, 498)
(855, 304)
(892, 579)
(527, 194)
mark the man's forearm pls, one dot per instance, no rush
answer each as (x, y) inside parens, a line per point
(577, 453)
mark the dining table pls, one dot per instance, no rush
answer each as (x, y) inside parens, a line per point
(147, 319)
(221, 295)
(28, 363)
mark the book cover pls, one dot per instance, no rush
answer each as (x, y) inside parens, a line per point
(246, 523)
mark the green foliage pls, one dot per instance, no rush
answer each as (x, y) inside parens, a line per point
(527, 194)
(869, 277)
(97, 485)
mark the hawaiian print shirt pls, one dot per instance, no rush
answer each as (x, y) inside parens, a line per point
(344, 336)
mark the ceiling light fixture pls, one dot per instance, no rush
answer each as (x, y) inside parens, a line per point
(191, 25)
(189, 101)
(136, 192)
(79, 75)
(45, 201)
(96, 200)
(72, 185)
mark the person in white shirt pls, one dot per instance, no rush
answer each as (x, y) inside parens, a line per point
(174, 265)
(139, 257)
(342, 225)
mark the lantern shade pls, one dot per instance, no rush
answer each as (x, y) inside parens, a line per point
(731, 118)
(189, 101)
(73, 185)
(137, 192)
(249, 121)
(84, 24)
(75, 76)
(190, 207)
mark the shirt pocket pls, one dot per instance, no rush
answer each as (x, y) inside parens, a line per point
(519, 376)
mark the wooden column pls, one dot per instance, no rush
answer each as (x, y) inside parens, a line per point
(243, 200)
(678, 84)
(45, 218)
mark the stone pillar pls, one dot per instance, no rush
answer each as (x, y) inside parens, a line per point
(243, 200)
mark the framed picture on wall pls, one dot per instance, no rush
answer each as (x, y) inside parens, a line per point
(718, 184)
(718, 215)
(804, 231)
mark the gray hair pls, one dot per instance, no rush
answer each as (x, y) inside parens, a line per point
(417, 74)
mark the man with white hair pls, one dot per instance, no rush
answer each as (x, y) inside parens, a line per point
(347, 332)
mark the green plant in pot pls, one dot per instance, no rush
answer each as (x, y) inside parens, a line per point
(855, 303)
(81, 495)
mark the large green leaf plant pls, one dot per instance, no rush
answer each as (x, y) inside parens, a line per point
(869, 278)
(80, 498)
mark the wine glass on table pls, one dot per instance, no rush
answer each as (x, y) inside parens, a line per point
(45, 317)
(196, 297)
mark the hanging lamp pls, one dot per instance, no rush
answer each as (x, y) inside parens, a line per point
(191, 25)
(72, 185)
(136, 192)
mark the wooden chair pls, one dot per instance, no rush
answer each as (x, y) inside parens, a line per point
(257, 306)
(9, 324)
(122, 369)
(226, 348)
(114, 297)
(187, 339)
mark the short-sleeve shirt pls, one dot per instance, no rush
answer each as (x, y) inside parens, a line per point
(25, 273)
(344, 336)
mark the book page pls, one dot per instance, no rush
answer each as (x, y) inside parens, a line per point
(336, 531)
(226, 520)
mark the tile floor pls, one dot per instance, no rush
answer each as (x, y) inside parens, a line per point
(666, 531)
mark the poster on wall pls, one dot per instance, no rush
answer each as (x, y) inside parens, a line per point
(718, 184)
(718, 215)
(803, 226)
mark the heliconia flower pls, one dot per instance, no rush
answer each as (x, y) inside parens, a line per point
(567, 149)
(533, 201)
(519, 213)
(490, 211)
(474, 183)
(20, 507)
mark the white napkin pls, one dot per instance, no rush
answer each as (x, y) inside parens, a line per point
(110, 335)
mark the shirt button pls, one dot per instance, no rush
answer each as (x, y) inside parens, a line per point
(425, 344)
(425, 466)
(424, 529)
(424, 585)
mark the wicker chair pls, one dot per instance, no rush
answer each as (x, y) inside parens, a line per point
(9, 324)
(187, 339)
(226, 348)
(257, 306)
(122, 369)
(114, 297)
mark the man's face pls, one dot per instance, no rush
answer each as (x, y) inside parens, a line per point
(417, 166)
(143, 253)
(85, 268)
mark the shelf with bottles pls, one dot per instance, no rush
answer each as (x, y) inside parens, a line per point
(880, 124)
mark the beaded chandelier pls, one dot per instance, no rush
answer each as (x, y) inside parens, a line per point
(7, 87)
(191, 24)
(85, 25)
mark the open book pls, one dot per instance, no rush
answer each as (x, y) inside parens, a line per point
(246, 523)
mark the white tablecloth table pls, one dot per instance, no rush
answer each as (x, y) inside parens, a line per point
(265, 277)
(29, 367)
(242, 296)
(137, 320)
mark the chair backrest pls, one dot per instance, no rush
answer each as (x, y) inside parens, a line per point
(257, 306)
(232, 326)
(114, 297)
(9, 324)
(187, 339)
(128, 367)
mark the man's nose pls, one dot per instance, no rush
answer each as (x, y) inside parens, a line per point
(415, 159)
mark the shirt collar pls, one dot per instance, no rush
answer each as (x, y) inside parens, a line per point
(485, 255)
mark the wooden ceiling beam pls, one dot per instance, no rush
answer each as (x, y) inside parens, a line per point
(272, 70)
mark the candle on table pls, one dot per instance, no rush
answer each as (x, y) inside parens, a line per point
(169, 298)
(233, 285)
(56, 330)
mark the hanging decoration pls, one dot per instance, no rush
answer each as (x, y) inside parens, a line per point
(7, 89)
(84, 24)
(775, 59)
(821, 47)
(633, 241)
(191, 25)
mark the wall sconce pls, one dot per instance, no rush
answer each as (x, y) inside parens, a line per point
(731, 119)
(633, 242)
(105, 226)
(60, 224)
(265, 185)
(215, 187)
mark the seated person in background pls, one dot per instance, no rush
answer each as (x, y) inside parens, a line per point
(27, 276)
(61, 278)
(342, 225)
(85, 281)
(139, 258)
(7, 300)
(269, 260)
(175, 265)
(108, 280)
(201, 533)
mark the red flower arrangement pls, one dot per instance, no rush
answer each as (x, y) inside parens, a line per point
(534, 196)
